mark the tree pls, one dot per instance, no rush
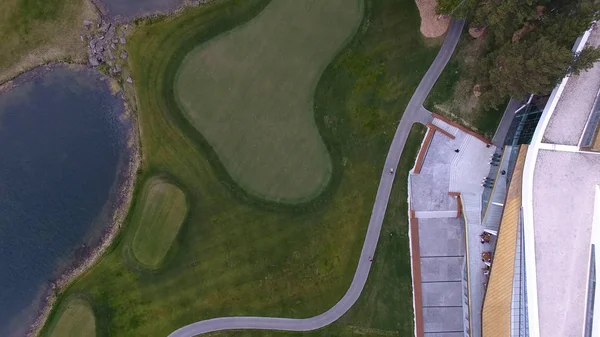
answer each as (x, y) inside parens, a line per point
(565, 21)
(458, 9)
(517, 69)
(583, 60)
(503, 17)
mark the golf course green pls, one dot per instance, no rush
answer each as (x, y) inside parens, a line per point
(250, 93)
(76, 320)
(158, 217)
(240, 251)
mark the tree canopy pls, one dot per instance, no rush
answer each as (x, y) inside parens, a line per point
(529, 43)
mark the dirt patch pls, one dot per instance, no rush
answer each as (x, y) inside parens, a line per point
(432, 24)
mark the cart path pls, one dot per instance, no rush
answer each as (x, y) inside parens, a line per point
(414, 113)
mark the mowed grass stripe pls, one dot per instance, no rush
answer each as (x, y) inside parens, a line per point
(158, 217)
(232, 256)
(250, 93)
(76, 320)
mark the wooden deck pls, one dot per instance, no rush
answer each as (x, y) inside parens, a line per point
(496, 316)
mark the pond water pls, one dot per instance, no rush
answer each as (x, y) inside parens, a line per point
(63, 147)
(129, 9)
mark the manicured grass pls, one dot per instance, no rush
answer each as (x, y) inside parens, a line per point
(157, 217)
(237, 254)
(33, 32)
(264, 131)
(385, 307)
(76, 320)
(452, 95)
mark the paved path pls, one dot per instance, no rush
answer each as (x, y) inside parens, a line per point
(413, 114)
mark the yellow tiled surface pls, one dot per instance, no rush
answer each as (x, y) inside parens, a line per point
(498, 297)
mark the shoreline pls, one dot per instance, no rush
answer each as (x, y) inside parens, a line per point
(126, 180)
(124, 187)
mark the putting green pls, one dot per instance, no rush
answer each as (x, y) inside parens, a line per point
(250, 93)
(157, 217)
(76, 320)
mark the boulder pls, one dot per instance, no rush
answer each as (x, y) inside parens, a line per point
(124, 55)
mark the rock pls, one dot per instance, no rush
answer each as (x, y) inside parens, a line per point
(81, 38)
(113, 46)
(124, 55)
(129, 80)
(117, 68)
(115, 40)
(105, 27)
(122, 40)
(477, 90)
(93, 61)
(476, 32)
(109, 63)
(87, 24)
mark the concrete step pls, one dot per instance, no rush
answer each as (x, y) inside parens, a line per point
(435, 214)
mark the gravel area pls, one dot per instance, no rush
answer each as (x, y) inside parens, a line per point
(432, 25)
(575, 104)
(563, 204)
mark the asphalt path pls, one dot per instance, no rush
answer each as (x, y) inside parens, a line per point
(414, 113)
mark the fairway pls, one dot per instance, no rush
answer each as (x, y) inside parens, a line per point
(250, 94)
(237, 255)
(158, 217)
(77, 320)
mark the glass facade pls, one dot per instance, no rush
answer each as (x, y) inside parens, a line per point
(591, 294)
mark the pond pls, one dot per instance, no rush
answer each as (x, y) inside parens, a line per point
(63, 154)
(125, 10)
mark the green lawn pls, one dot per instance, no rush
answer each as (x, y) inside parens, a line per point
(250, 94)
(452, 95)
(157, 217)
(33, 32)
(385, 305)
(76, 320)
(237, 254)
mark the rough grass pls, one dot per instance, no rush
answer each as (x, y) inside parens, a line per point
(452, 95)
(76, 320)
(237, 254)
(250, 94)
(157, 217)
(34, 32)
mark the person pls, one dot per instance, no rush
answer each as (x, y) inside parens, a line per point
(503, 172)
(457, 150)
(391, 171)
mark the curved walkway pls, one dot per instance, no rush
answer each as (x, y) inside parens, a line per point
(414, 113)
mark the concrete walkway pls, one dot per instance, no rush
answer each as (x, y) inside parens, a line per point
(414, 113)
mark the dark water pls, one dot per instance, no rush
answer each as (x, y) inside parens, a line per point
(124, 10)
(61, 147)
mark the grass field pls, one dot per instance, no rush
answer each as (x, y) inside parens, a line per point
(157, 217)
(452, 95)
(264, 132)
(76, 320)
(385, 305)
(34, 32)
(237, 254)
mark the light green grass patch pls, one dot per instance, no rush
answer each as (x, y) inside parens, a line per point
(77, 320)
(157, 217)
(250, 93)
